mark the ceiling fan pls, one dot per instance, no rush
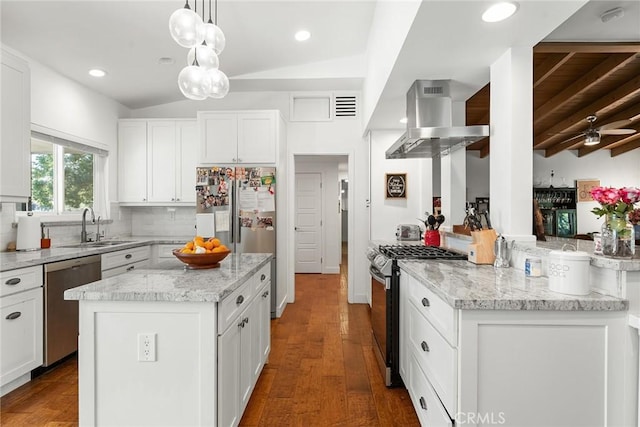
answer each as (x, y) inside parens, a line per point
(592, 134)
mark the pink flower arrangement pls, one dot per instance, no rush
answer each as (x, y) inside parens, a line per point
(616, 201)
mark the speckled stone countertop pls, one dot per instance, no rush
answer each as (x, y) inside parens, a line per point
(467, 286)
(170, 281)
(13, 260)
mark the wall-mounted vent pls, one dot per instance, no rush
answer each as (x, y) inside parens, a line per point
(345, 106)
(432, 90)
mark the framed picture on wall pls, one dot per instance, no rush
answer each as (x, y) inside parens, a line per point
(584, 188)
(396, 186)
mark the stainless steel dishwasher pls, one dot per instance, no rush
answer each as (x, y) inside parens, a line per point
(60, 316)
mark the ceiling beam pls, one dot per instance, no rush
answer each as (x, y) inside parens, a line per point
(484, 151)
(632, 143)
(576, 121)
(579, 47)
(550, 66)
(601, 72)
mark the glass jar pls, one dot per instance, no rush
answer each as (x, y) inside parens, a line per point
(618, 239)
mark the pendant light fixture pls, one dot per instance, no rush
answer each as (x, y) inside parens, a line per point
(201, 78)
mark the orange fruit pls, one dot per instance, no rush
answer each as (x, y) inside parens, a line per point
(223, 248)
(215, 242)
(186, 251)
(208, 245)
(188, 245)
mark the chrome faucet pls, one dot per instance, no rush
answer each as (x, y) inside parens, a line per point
(83, 233)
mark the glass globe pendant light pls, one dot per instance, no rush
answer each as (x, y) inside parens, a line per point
(207, 58)
(193, 81)
(213, 35)
(186, 27)
(218, 83)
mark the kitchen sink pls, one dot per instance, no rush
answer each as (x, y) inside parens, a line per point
(96, 244)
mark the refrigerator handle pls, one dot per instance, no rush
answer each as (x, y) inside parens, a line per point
(233, 209)
(239, 228)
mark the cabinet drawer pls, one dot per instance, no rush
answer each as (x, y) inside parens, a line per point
(166, 251)
(435, 356)
(124, 257)
(441, 315)
(19, 280)
(425, 400)
(124, 269)
(262, 277)
(21, 342)
(232, 305)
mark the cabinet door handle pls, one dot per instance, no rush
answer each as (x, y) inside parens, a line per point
(239, 300)
(426, 302)
(131, 267)
(177, 200)
(128, 256)
(239, 160)
(262, 277)
(12, 281)
(423, 403)
(424, 345)
(245, 320)
(144, 200)
(234, 160)
(173, 199)
(241, 324)
(266, 294)
(14, 315)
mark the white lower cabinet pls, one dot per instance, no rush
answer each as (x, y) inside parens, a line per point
(21, 339)
(243, 347)
(512, 367)
(119, 262)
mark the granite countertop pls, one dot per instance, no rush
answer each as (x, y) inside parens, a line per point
(171, 282)
(467, 286)
(13, 260)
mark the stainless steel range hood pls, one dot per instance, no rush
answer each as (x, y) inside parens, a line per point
(429, 131)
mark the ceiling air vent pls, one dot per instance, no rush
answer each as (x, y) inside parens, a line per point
(432, 90)
(345, 106)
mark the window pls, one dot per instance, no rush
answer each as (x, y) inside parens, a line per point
(63, 174)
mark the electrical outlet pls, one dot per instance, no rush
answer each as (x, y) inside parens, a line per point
(147, 347)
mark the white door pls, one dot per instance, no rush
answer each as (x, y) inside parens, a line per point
(308, 223)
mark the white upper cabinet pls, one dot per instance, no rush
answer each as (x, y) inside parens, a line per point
(248, 137)
(157, 161)
(15, 146)
(132, 161)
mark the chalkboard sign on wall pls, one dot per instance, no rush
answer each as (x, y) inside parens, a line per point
(396, 186)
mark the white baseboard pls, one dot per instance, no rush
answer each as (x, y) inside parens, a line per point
(12, 385)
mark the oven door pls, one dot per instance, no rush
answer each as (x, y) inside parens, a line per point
(380, 286)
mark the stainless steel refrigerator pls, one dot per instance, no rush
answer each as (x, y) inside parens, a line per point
(238, 206)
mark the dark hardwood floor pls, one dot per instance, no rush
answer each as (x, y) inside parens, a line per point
(321, 372)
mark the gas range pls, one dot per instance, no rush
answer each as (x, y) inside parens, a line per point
(384, 256)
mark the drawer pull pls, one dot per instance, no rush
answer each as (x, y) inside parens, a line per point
(241, 324)
(424, 345)
(245, 320)
(262, 277)
(131, 267)
(14, 315)
(12, 281)
(423, 403)
(239, 300)
(128, 256)
(426, 302)
(266, 294)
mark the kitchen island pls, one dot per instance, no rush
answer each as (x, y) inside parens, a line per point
(170, 346)
(490, 346)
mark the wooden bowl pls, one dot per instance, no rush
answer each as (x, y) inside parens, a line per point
(198, 261)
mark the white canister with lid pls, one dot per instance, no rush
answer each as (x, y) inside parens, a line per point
(569, 272)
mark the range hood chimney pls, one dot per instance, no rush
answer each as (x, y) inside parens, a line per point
(429, 131)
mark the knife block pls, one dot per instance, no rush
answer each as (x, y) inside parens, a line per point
(481, 250)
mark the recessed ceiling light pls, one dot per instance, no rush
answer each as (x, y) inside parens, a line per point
(165, 60)
(499, 11)
(610, 14)
(97, 72)
(403, 120)
(302, 35)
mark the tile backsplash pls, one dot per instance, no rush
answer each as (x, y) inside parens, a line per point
(126, 221)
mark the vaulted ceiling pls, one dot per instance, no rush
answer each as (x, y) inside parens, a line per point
(570, 82)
